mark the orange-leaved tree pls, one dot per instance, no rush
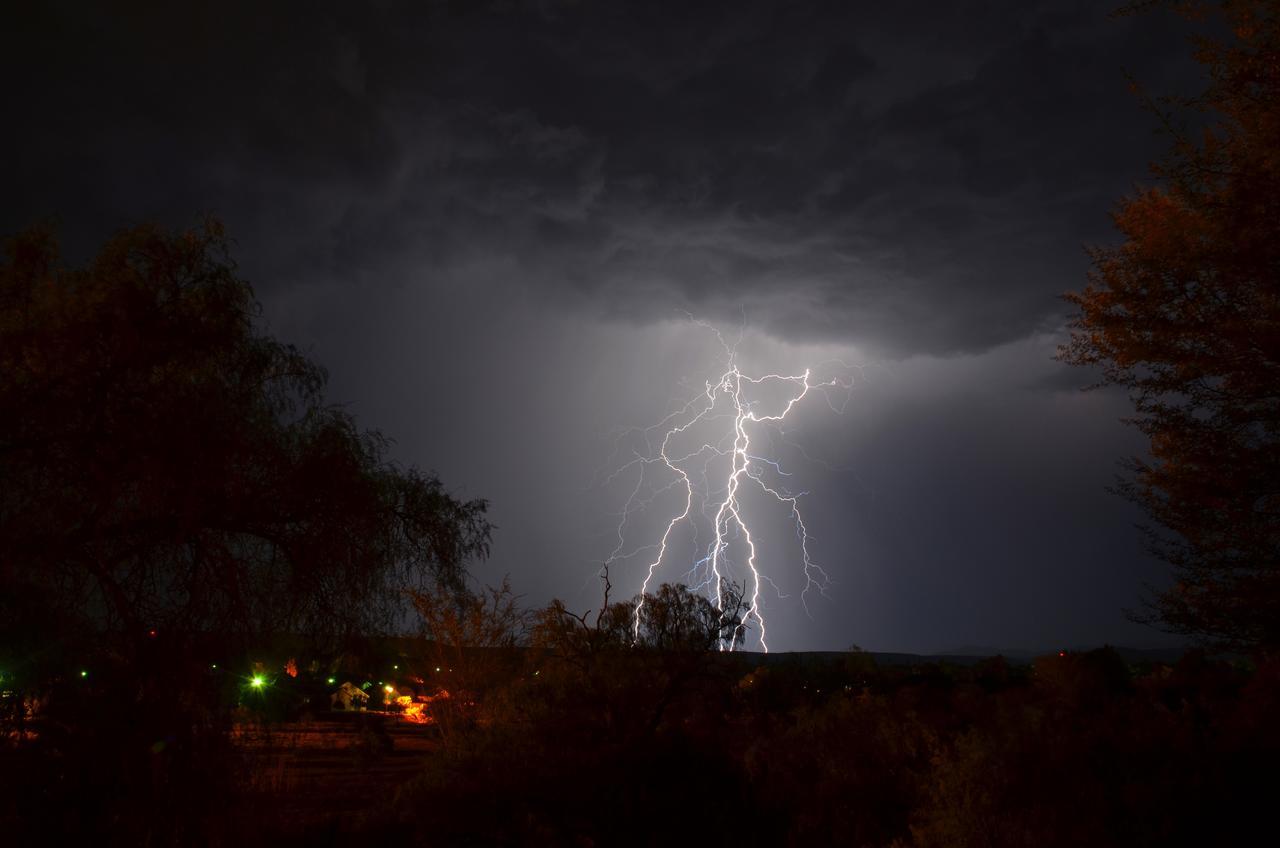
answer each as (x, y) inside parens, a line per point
(1185, 313)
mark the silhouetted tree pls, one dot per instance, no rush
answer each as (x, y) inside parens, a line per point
(674, 619)
(601, 729)
(167, 466)
(677, 619)
(171, 475)
(634, 674)
(1185, 313)
(473, 643)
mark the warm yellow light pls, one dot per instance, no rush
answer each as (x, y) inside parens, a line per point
(389, 689)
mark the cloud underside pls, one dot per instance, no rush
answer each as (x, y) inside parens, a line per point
(907, 179)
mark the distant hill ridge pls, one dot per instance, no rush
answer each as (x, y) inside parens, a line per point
(972, 655)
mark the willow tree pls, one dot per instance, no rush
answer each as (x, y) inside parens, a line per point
(1185, 313)
(170, 468)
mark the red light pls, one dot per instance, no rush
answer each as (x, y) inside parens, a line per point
(151, 634)
(1062, 653)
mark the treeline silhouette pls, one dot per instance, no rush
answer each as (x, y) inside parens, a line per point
(1074, 749)
(604, 729)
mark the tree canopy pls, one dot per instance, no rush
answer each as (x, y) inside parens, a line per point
(167, 465)
(1185, 313)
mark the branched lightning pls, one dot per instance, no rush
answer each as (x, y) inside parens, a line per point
(732, 408)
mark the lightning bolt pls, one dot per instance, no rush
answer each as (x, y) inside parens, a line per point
(732, 407)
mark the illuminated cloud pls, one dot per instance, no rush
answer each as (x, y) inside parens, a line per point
(484, 220)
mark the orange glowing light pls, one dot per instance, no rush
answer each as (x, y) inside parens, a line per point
(416, 714)
(418, 710)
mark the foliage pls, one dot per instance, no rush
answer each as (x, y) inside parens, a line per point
(1079, 749)
(636, 666)
(1185, 314)
(1072, 759)
(171, 468)
(171, 476)
(474, 638)
(601, 726)
(863, 766)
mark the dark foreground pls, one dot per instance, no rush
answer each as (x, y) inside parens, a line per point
(650, 749)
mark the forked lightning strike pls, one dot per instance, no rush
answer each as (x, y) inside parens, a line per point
(725, 399)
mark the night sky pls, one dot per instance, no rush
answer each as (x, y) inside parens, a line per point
(491, 221)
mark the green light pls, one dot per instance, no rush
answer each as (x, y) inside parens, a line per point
(258, 681)
(84, 673)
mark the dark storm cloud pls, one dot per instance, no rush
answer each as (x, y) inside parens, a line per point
(931, 195)
(482, 217)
